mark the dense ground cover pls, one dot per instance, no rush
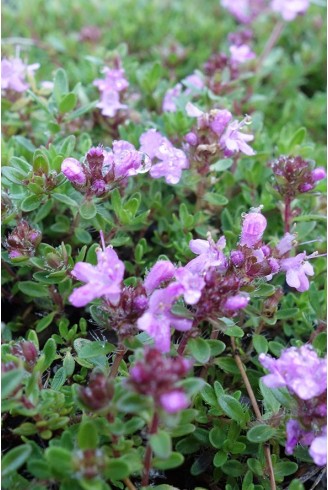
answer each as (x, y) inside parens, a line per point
(164, 241)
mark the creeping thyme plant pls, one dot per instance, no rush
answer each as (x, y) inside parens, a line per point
(163, 260)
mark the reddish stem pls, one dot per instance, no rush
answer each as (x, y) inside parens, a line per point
(149, 453)
(287, 214)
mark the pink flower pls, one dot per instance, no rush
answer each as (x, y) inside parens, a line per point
(318, 173)
(210, 255)
(253, 227)
(241, 54)
(174, 401)
(286, 244)
(14, 72)
(244, 10)
(192, 285)
(158, 319)
(318, 449)
(162, 271)
(237, 302)
(110, 88)
(170, 97)
(234, 141)
(150, 141)
(297, 269)
(110, 104)
(104, 279)
(291, 8)
(73, 171)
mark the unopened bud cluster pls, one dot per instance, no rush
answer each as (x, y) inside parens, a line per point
(22, 241)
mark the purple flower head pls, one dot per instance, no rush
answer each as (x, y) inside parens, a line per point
(170, 98)
(22, 241)
(209, 255)
(114, 80)
(193, 81)
(253, 227)
(293, 432)
(297, 269)
(158, 319)
(219, 119)
(99, 187)
(191, 139)
(95, 157)
(174, 401)
(318, 173)
(150, 142)
(73, 171)
(14, 72)
(245, 11)
(237, 258)
(233, 140)
(290, 9)
(104, 279)
(156, 375)
(318, 448)
(238, 302)
(162, 271)
(286, 244)
(299, 369)
(241, 54)
(98, 392)
(110, 104)
(306, 187)
(192, 285)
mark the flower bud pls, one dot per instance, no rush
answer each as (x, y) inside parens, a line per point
(98, 187)
(73, 171)
(235, 303)
(25, 350)
(253, 228)
(318, 173)
(95, 157)
(98, 393)
(237, 258)
(191, 138)
(174, 401)
(306, 187)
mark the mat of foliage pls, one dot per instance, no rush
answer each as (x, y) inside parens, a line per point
(163, 263)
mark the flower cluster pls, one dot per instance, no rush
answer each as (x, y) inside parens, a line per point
(110, 89)
(170, 161)
(217, 132)
(304, 374)
(98, 393)
(22, 241)
(102, 169)
(14, 73)
(294, 175)
(157, 376)
(245, 11)
(193, 83)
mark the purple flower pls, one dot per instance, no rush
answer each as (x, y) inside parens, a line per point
(192, 285)
(158, 319)
(114, 80)
(299, 369)
(194, 81)
(244, 10)
(237, 258)
(297, 269)
(14, 72)
(286, 244)
(219, 119)
(293, 432)
(73, 171)
(150, 141)
(191, 138)
(291, 8)
(104, 279)
(174, 401)
(254, 225)
(233, 140)
(241, 54)
(318, 448)
(318, 173)
(237, 302)
(170, 97)
(210, 255)
(162, 271)
(110, 103)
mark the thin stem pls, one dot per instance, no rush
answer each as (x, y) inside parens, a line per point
(287, 214)
(128, 483)
(117, 361)
(149, 453)
(183, 343)
(256, 409)
(271, 42)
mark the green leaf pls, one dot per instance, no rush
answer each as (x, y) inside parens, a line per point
(297, 138)
(82, 110)
(95, 349)
(65, 200)
(174, 460)
(199, 349)
(260, 433)
(59, 460)
(217, 437)
(284, 468)
(216, 346)
(260, 344)
(232, 408)
(296, 485)
(270, 402)
(69, 364)
(45, 322)
(88, 210)
(221, 165)
(10, 381)
(30, 203)
(40, 162)
(233, 468)
(215, 199)
(60, 85)
(49, 351)
(117, 470)
(67, 103)
(263, 290)
(220, 459)
(14, 175)
(234, 331)
(33, 289)
(59, 379)
(287, 313)
(87, 437)
(161, 444)
(15, 458)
